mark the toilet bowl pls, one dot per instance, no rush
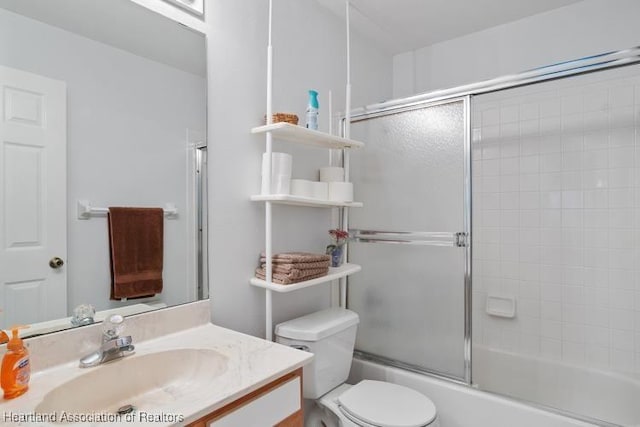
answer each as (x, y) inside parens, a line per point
(330, 336)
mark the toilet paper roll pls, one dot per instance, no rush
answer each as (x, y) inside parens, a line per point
(301, 188)
(341, 191)
(332, 174)
(280, 184)
(280, 163)
(320, 190)
(280, 173)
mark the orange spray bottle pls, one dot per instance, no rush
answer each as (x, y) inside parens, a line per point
(16, 369)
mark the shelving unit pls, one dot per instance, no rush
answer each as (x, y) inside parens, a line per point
(288, 199)
(306, 137)
(301, 135)
(335, 273)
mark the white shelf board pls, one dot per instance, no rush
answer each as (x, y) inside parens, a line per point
(334, 274)
(287, 199)
(302, 135)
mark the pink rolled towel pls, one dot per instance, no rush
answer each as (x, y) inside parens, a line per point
(284, 279)
(286, 268)
(295, 257)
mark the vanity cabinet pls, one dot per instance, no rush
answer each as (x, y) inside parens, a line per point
(278, 404)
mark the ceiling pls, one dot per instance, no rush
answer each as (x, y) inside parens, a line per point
(402, 25)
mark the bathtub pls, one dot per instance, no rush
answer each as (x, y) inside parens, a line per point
(462, 406)
(594, 393)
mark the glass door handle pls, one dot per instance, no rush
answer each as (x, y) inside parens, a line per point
(423, 238)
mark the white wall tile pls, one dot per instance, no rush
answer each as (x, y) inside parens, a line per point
(491, 117)
(622, 360)
(597, 356)
(596, 159)
(529, 145)
(572, 180)
(573, 352)
(596, 140)
(621, 117)
(621, 96)
(595, 120)
(622, 137)
(621, 178)
(551, 181)
(621, 157)
(559, 223)
(551, 348)
(551, 218)
(595, 179)
(572, 142)
(572, 104)
(595, 100)
(550, 107)
(529, 164)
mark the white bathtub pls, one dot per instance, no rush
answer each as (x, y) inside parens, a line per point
(461, 406)
(598, 394)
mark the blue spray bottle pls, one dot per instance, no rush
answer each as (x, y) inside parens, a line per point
(312, 110)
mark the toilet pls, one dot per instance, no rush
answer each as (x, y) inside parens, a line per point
(330, 335)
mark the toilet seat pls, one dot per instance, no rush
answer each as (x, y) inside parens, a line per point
(382, 404)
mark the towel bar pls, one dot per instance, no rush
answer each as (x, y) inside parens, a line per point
(423, 238)
(86, 211)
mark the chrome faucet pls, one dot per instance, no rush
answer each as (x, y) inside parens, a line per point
(113, 345)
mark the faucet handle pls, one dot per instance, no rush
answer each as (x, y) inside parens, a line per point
(112, 327)
(83, 315)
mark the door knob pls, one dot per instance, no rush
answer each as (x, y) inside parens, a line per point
(56, 262)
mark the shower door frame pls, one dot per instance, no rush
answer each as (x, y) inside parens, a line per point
(466, 230)
(586, 65)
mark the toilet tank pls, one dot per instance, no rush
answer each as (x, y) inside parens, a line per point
(330, 335)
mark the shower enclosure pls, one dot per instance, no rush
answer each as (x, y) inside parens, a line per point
(500, 238)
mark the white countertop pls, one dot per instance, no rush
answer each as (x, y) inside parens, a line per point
(252, 363)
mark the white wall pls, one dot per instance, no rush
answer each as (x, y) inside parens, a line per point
(571, 32)
(127, 121)
(309, 53)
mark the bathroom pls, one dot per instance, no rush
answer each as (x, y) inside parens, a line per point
(529, 324)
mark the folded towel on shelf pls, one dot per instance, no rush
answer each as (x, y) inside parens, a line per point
(285, 279)
(295, 257)
(287, 267)
(136, 249)
(295, 273)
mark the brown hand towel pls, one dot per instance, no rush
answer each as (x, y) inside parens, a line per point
(295, 257)
(136, 239)
(295, 274)
(282, 279)
(285, 268)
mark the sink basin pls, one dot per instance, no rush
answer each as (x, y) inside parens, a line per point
(147, 382)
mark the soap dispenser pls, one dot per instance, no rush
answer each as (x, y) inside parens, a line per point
(16, 369)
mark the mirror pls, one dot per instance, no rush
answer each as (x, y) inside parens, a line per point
(103, 105)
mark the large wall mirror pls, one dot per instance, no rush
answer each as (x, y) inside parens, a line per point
(103, 104)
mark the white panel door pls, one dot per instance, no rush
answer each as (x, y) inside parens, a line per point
(33, 134)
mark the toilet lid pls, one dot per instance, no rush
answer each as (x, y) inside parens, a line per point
(387, 405)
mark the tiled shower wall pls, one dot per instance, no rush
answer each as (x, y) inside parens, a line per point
(556, 218)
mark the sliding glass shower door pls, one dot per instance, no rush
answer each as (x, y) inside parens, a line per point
(411, 237)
